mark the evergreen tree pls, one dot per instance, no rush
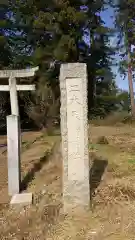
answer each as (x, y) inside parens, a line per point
(52, 32)
(99, 59)
(126, 26)
(5, 54)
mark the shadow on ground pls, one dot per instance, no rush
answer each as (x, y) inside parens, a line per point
(96, 172)
(37, 167)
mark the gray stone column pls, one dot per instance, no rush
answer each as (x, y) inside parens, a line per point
(13, 151)
(74, 132)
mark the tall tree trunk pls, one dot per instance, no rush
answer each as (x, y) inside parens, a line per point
(130, 83)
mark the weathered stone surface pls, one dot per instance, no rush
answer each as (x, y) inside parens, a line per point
(13, 153)
(22, 199)
(30, 72)
(30, 87)
(74, 131)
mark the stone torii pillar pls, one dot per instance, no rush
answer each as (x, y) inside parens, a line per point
(13, 124)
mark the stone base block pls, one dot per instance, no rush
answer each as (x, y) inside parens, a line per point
(22, 199)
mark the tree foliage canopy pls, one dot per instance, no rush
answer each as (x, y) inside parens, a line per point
(48, 33)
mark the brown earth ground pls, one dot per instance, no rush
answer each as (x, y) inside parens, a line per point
(112, 214)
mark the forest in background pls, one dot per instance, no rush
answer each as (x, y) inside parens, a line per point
(49, 33)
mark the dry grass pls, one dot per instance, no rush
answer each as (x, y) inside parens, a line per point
(115, 118)
(113, 191)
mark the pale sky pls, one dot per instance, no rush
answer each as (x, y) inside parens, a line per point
(107, 17)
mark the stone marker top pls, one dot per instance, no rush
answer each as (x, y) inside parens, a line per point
(30, 72)
(73, 70)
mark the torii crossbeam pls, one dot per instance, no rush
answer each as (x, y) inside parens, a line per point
(13, 87)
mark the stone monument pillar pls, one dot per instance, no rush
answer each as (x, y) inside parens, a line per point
(74, 131)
